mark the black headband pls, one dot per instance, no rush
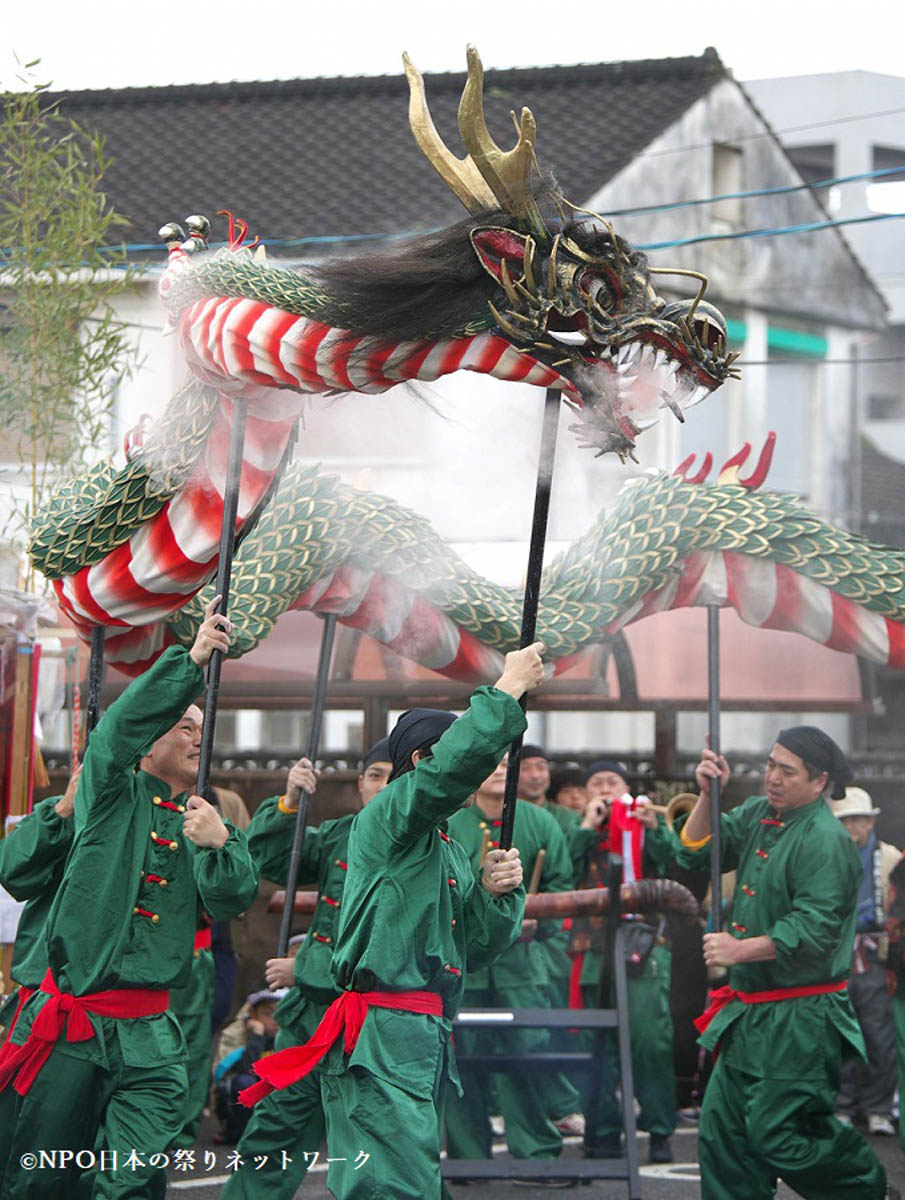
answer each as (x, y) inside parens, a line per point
(415, 729)
(818, 748)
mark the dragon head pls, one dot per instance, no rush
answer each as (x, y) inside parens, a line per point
(571, 293)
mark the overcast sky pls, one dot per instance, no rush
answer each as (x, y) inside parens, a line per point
(119, 43)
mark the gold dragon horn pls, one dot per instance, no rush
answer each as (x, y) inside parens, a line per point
(460, 175)
(487, 176)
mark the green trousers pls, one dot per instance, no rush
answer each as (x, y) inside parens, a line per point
(651, 1032)
(522, 1098)
(562, 1096)
(192, 1007)
(383, 1141)
(282, 1137)
(139, 1108)
(754, 1131)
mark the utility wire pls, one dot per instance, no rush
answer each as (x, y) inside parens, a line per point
(772, 191)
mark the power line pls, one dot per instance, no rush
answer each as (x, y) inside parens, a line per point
(771, 191)
(769, 231)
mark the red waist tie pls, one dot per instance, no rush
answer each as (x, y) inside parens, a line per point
(725, 995)
(203, 939)
(345, 1017)
(21, 1064)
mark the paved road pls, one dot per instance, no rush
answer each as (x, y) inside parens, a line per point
(678, 1181)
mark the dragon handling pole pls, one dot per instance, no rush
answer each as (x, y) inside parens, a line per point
(95, 680)
(314, 737)
(532, 591)
(713, 717)
(224, 573)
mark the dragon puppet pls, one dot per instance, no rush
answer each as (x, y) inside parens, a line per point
(528, 288)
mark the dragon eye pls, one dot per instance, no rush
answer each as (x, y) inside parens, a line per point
(596, 289)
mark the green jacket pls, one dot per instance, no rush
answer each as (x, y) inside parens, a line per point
(534, 829)
(797, 883)
(323, 861)
(413, 912)
(130, 854)
(32, 858)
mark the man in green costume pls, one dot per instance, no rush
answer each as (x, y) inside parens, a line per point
(520, 978)
(646, 848)
(785, 1020)
(287, 1127)
(413, 917)
(96, 1045)
(563, 1100)
(32, 859)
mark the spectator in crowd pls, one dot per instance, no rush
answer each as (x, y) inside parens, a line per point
(233, 1073)
(567, 790)
(615, 823)
(869, 1087)
(519, 978)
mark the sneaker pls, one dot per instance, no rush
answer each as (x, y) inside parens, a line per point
(571, 1126)
(843, 1118)
(498, 1128)
(880, 1125)
(690, 1115)
(660, 1149)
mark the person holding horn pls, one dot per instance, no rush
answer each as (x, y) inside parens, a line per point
(96, 1045)
(413, 917)
(785, 1019)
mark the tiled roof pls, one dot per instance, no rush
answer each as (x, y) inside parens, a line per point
(327, 157)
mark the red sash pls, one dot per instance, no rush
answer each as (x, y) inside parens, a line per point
(203, 939)
(20, 1065)
(344, 1018)
(725, 995)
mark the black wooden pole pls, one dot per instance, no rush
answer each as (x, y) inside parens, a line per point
(95, 680)
(532, 591)
(224, 574)
(314, 737)
(713, 716)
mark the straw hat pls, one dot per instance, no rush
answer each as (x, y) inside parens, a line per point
(855, 803)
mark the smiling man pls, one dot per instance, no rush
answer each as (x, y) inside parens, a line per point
(96, 1045)
(785, 1021)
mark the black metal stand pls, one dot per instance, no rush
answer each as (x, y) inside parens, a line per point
(605, 1020)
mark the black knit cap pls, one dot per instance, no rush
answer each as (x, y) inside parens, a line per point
(606, 764)
(415, 729)
(379, 752)
(531, 751)
(819, 749)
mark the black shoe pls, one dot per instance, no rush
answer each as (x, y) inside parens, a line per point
(608, 1146)
(660, 1149)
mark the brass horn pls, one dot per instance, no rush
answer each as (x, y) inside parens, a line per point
(679, 806)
